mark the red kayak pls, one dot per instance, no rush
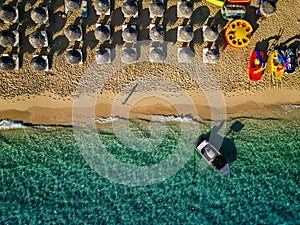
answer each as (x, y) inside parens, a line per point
(257, 66)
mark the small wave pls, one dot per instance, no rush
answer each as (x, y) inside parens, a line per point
(181, 119)
(9, 124)
(42, 127)
(290, 108)
(106, 120)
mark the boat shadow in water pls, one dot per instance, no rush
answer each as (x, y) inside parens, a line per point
(225, 145)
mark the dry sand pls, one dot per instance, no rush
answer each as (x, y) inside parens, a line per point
(48, 97)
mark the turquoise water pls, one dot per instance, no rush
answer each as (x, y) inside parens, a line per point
(46, 180)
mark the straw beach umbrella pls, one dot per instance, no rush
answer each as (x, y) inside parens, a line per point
(74, 57)
(186, 33)
(186, 54)
(38, 15)
(73, 32)
(130, 8)
(211, 33)
(36, 39)
(101, 6)
(185, 9)
(7, 38)
(102, 56)
(73, 5)
(102, 33)
(7, 63)
(8, 13)
(157, 8)
(156, 55)
(38, 63)
(129, 34)
(157, 33)
(129, 55)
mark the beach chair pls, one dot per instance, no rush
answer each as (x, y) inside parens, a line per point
(17, 15)
(17, 35)
(84, 9)
(44, 33)
(217, 2)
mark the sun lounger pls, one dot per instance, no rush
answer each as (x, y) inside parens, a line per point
(84, 9)
(47, 14)
(44, 33)
(17, 15)
(17, 35)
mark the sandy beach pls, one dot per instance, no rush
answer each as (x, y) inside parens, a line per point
(48, 97)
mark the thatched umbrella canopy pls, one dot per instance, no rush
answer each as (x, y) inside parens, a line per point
(186, 54)
(38, 15)
(102, 33)
(36, 39)
(73, 32)
(157, 33)
(211, 33)
(8, 13)
(157, 8)
(7, 63)
(186, 33)
(129, 55)
(156, 55)
(73, 57)
(185, 9)
(38, 63)
(102, 56)
(130, 8)
(7, 38)
(268, 8)
(129, 34)
(213, 55)
(101, 6)
(73, 5)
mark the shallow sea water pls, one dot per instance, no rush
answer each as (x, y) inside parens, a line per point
(46, 180)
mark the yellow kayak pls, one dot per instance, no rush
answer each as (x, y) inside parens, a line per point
(278, 64)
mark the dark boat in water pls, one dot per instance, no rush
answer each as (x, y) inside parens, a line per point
(212, 156)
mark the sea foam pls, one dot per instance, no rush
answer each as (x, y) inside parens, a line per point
(9, 124)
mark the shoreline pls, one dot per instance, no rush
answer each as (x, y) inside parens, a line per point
(46, 110)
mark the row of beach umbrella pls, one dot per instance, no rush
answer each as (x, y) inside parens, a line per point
(10, 14)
